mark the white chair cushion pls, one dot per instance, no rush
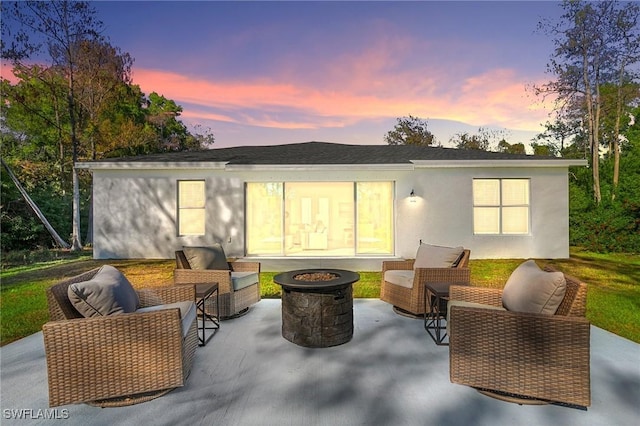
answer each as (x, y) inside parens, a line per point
(430, 256)
(187, 313)
(530, 289)
(403, 278)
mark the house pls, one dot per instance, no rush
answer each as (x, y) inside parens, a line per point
(316, 202)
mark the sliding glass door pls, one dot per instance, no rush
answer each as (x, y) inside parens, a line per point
(319, 218)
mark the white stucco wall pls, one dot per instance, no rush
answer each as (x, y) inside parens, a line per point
(135, 210)
(443, 214)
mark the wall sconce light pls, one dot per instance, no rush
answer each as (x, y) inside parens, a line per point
(412, 196)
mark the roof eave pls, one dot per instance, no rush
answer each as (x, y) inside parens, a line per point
(160, 165)
(318, 167)
(423, 164)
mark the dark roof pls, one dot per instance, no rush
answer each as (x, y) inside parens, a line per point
(325, 153)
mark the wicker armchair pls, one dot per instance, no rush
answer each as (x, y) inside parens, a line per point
(521, 357)
(232, 302)
(116, 360)
(411, 300)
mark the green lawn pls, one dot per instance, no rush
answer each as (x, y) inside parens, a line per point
(613, 301)
(367, 287)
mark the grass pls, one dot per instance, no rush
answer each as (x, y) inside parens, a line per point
(613, 300)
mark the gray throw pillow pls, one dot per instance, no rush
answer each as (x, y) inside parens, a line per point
(530, 289)
(108, 292)
(212, 257)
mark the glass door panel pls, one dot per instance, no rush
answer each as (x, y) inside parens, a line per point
(318, 219)
(375, 218)
(264, 218)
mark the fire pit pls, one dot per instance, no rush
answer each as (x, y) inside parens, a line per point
(317, 306)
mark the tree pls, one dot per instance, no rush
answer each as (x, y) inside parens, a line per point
(559, 133)
(162, 114)
(595, 44)
(35, 106)
(627, 52)
(543, 149)
(102, 69)
(516, 148)
(61, 26)
(410, 131)
(82, 105)
(481, 141)
(467, 141)
(54, 234)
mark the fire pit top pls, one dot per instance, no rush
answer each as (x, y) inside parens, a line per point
(316, 278)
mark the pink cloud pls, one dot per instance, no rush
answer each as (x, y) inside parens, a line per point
(500, 96)
(357, 89)
(351, 88)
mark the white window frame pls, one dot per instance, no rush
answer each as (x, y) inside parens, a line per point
(191, 218)
(501, 206)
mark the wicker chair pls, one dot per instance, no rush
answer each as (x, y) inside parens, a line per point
(522, 357)
(116, 360)
(411, 300)
(232, 302)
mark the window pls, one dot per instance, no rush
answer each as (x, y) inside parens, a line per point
(501, 206)
(191, 207)
(319, 218)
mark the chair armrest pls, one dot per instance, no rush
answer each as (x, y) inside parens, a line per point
(396, 265)
(200, 276)
(246, 266)
(542, 356)
(104, 357)
(433, 275)
(486, 296)
(165, 295)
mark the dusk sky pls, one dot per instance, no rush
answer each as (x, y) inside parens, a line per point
(283, 72)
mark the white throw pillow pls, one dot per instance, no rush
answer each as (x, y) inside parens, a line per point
(430, 256)
(530, 289)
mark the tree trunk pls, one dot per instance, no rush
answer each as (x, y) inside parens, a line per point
(616, 135)
(592, 121)
(56, 237)
(596, 144)
(76, 243)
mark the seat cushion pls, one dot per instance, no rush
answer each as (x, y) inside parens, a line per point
(430, 256)
(212, 257)
(240, 280)
(403, 277)
(187, 312)
(108, 292)
(530, 289)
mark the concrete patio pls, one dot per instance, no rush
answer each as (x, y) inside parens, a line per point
(390, 373)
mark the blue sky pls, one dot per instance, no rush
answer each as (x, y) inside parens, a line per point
(282, 72)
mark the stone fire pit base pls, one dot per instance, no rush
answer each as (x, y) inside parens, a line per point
(317, 306)
(318, 320)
